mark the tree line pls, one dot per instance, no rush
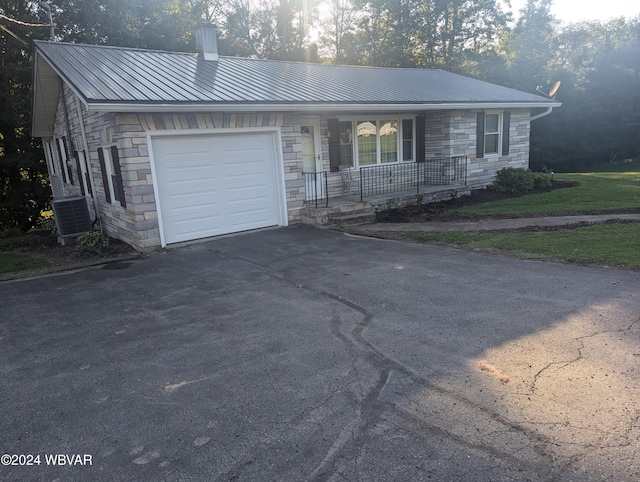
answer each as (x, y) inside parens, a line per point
(598, 63)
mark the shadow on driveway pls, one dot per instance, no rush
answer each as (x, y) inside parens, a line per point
(305, 354)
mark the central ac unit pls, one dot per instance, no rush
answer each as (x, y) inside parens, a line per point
(72, 218)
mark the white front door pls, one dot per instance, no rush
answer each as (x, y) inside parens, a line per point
(312, 158)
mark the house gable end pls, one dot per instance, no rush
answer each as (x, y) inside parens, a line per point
(46, 96)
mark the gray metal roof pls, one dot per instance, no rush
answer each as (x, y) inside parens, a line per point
(116, 76)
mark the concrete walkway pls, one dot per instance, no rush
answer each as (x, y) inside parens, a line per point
(489, 224)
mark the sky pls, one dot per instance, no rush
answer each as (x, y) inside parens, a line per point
(579, 10)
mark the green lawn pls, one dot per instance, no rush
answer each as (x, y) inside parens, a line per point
(599, 191)
(615, 244)
(12, 262)
(604, 244)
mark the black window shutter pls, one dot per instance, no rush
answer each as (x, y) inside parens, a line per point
(118, 173)
(506, 121)
(82, 191)
(420, 138)
(87, 179)
(105, 176)
(480, 136)
(66, 151)
(334, 145)
(61, 162)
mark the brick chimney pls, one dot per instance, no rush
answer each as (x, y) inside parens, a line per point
(206, 41)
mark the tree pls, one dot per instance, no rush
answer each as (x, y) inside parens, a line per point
(265, 29)
(600, 117)
(339, 30)
(24, 190)
(454, 33)
(531, 48)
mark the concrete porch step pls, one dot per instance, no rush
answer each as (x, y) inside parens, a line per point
(353, 219)
(324, 216)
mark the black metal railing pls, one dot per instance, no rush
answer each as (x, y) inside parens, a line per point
(413, 176)
(316, 188)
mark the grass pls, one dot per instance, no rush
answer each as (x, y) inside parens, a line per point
(599, 191)
(11, 262)
(19, 240)
(603, 244)
(611, 244)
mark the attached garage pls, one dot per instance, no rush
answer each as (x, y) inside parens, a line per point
(209, 184)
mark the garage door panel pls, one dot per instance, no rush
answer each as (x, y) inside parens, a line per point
(196, 201)
(248, 219)
(216, 184)
(192, 176)
(188, 229)
(254, 191)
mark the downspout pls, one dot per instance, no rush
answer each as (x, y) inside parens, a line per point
(542, 114)
(88, 164)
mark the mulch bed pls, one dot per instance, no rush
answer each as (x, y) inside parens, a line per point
(420, 213)
(46, 246)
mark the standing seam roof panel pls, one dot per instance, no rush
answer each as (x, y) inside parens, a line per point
(121, 75)
(165, 81)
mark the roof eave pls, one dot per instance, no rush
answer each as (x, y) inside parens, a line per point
(309, 106)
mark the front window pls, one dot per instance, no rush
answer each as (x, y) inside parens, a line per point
(377, 141)
(389, 141)
(492, 134)
(367, 142)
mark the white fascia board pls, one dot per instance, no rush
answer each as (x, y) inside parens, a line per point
(342, 107)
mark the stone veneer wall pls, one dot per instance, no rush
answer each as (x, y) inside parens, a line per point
(115, 220)
(138, 223)
(453, 133)
(74, 141)
(448, 133)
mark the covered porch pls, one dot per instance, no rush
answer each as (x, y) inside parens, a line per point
(353, 196)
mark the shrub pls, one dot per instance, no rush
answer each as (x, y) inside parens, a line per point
(92, 238)
(49, 225)
(541, 180)
(519, 181)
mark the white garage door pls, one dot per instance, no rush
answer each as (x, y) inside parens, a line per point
(209, 185)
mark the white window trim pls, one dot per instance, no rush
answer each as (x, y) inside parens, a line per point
(500, 119)
(108, 165)
(48, 155)
(83, 174)
(413, 139)
(64, 160)
(380, 117)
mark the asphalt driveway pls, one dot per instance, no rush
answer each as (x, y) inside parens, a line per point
(303, 354)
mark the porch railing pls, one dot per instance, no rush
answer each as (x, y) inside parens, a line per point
(413, 176)
(316, 188)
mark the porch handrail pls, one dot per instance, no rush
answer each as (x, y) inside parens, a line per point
(316, 188)
(383, 179)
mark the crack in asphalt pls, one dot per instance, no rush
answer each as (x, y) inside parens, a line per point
(565, 363)
(355, 434)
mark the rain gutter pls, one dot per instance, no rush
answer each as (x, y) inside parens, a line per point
(307, 107)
